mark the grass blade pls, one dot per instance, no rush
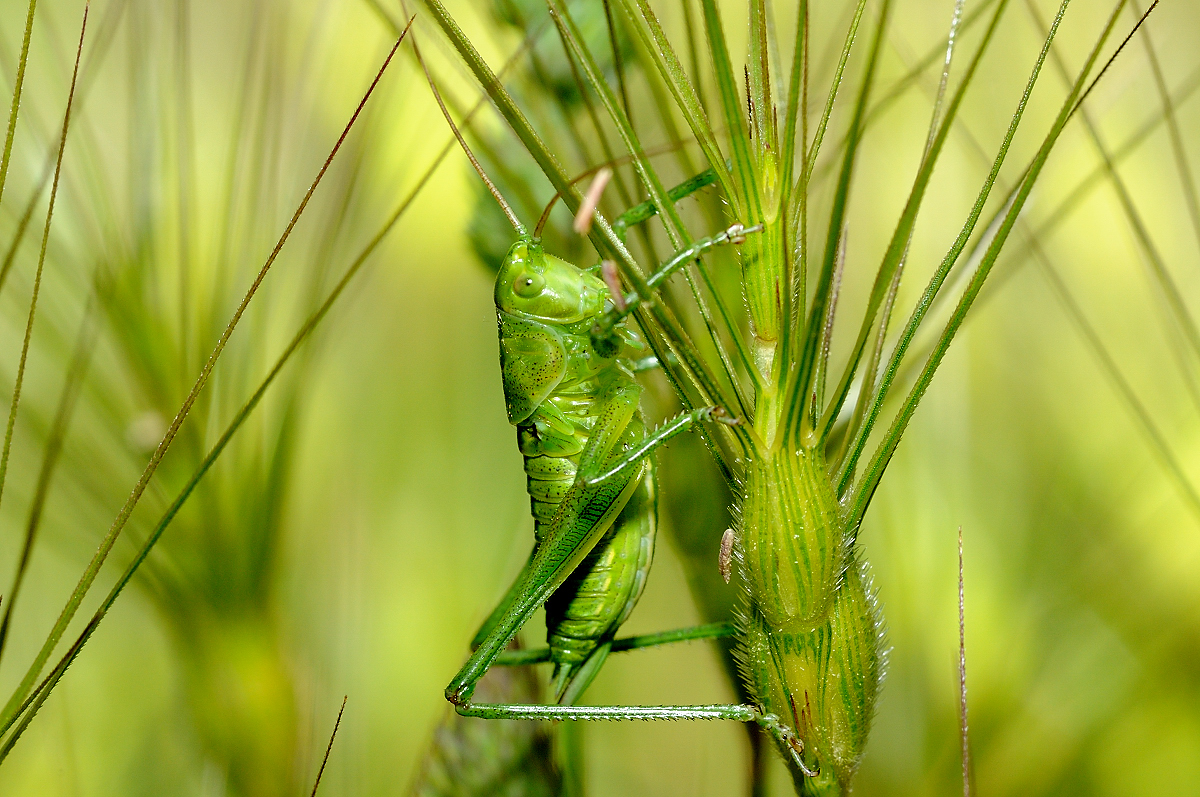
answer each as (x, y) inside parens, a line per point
(1155, 438)
(329, 749)
(758, 82)
(936, 282)
(681, 366)
(1159, 273)
(810, 156)
(18, 86)
(963, 731)
(799, 418)
(682, 88)
(84, 345)
(658, 193)
(230, 431)
(10, 712)
(744, 199)
(886, 279)
(26, 216)
(1182, 167)
(883, 454)
(37, 279)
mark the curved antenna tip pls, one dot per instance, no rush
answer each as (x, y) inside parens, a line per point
(437, 95)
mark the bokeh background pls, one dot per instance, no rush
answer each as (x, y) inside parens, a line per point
(365, 519)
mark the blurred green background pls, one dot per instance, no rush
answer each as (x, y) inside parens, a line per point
(367, 517)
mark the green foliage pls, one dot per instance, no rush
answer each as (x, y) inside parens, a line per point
(336, 522)
(796, 538)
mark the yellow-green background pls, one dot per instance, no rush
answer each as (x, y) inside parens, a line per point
(404, 510)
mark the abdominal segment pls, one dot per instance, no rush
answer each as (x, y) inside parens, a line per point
(599, 595)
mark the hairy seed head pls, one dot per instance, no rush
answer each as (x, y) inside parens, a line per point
(811, 651)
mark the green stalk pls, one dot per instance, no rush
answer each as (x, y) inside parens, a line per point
(18, 86)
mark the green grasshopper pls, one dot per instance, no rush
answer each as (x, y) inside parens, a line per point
(567, 362)
(575, 402)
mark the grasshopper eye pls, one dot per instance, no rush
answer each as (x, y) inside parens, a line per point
(528, 285)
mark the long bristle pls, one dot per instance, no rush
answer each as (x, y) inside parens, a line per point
(491, 187)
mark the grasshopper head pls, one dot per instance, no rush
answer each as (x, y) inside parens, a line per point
(534, 284)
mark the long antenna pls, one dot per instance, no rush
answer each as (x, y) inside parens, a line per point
(437, 95)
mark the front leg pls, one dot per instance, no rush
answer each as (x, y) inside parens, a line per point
(680, 423)
(624, 305)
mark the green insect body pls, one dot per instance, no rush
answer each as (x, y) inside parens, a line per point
(567, 360)
(811, 649)
(808, 641)
(557, 386)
